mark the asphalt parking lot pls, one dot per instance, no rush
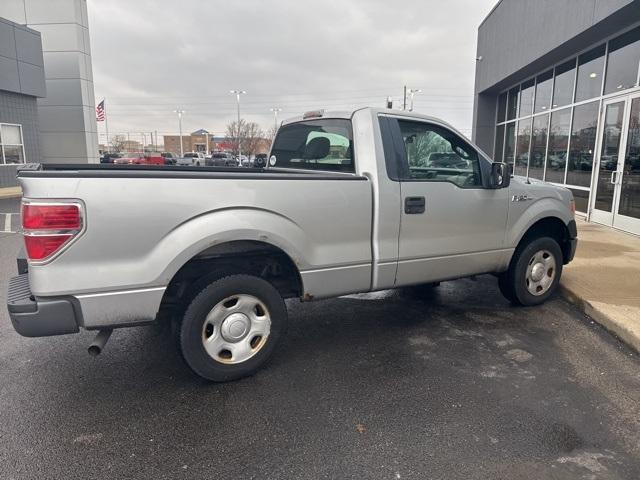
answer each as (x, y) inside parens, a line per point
(450, 384)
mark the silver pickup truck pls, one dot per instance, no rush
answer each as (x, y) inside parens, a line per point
(349, 202)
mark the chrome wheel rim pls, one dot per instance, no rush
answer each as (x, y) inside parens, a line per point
(541, 272)
(236, 329)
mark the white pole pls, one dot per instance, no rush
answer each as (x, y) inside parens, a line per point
(106, 124)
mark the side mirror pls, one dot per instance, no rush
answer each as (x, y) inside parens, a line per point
(500, 175)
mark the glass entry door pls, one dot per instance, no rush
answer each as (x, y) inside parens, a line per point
(617, 193)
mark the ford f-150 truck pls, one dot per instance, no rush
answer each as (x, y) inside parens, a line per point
(349, 202)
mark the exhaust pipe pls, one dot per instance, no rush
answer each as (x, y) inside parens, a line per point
(99, 342)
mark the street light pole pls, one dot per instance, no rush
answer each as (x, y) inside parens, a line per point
(412, 93)
(275, 111)
(179, 111)
(237, 93)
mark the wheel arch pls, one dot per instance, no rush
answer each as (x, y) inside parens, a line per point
(549, 226)
(252, 257)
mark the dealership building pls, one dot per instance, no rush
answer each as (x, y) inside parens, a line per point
(557, 95)
(47, 105)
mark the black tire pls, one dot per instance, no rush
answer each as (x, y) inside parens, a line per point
(506, 287)
(193, 323)
(514, 283)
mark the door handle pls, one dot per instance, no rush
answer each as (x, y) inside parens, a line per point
(414, 205)
(615, 175)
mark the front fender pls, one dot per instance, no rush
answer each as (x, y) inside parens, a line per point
(521, 222)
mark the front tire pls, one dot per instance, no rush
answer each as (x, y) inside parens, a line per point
(534, 272)
(232, 327)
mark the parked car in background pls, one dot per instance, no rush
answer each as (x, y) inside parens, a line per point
(169, 158)
(221, 159)
(260, 161)
(243, 161)
(109, 157)
(191, 159)
(139, 158)
(130, 158)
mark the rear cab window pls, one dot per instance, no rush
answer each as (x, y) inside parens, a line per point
(321, 144)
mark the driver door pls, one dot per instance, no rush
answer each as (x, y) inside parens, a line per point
(451, 225)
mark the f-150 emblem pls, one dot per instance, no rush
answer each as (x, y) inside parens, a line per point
(520, 198)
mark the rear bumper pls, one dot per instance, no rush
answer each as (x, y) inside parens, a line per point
(37, 317)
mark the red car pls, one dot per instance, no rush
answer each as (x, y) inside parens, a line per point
(138, 158)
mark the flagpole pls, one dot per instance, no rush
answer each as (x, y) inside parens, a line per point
(106, 124)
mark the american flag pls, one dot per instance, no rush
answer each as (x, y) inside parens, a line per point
(100, 112)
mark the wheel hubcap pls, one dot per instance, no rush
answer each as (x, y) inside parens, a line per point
(541, 272)
(236, 329)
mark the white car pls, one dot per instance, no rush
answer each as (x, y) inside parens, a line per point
(192, 159)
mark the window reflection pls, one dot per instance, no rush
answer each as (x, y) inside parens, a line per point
(623, 61)
(611, 137)
(563, 85)
(502, 107)
(630, 186)
(526, 98)
(583, 143)
(544, 84)
(558, 143)
(512, 107)
(523, 142)
(510, 143)
(590, 68)
(538, 146)
(497, 155)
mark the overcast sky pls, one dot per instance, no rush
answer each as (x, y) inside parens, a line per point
(150, 57)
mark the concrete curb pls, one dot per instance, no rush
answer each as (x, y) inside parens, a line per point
(11, 192)
(628, 332)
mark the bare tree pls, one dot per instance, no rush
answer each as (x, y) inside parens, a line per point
(248, 138)
(271, 134)
(117, 143)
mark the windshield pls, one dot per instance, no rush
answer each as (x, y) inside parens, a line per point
(323, 144)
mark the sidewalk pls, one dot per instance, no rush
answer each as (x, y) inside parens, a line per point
(604, 280)
(10, 192)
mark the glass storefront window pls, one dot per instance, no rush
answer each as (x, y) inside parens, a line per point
(582, 199)
(544, 86)
(623, 62)
(523, 141)
(563, 85)
(538, 146)
(510, 143)
(502, 107)
(590, 68)
(630, 184)
(11, 147)
(583, 144)
(512, 106)
(497, 155)
(558, 145)
(526, 98)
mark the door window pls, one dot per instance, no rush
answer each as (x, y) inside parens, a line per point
(435, 154)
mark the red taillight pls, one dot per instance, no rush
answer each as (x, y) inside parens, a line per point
(50, 217)
(41, 247)
(47, 227)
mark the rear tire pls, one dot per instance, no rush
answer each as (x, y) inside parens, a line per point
(534, 272)
(232, 327)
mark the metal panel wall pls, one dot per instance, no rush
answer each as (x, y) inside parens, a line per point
(522, 37)
(68, 130)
